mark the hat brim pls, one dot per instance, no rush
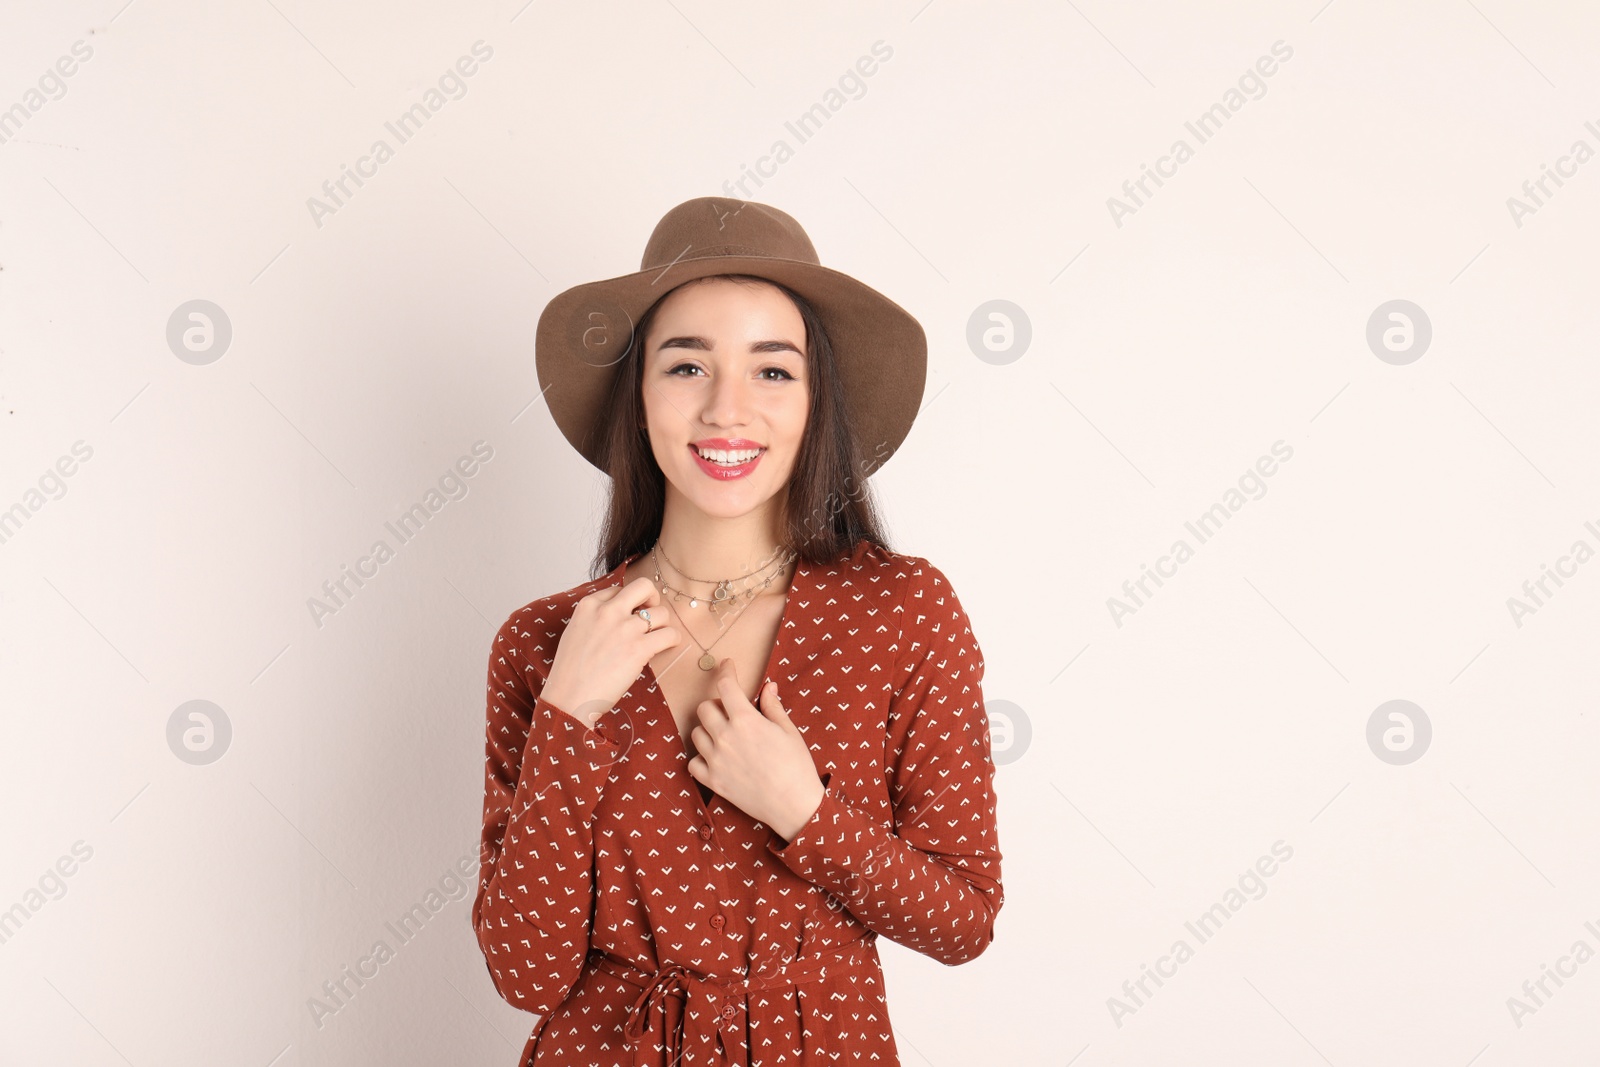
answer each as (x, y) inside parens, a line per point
(880, 348)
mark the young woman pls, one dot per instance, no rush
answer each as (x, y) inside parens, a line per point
(718, 773)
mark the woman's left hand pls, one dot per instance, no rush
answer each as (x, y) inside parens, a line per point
(755, 757)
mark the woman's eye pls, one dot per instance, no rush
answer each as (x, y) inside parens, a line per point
(682, 366)
(786, 375)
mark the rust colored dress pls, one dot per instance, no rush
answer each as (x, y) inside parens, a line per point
(651, 922)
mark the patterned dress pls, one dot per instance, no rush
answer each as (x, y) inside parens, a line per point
(649, 922)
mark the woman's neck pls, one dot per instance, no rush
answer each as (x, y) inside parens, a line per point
(703, 548)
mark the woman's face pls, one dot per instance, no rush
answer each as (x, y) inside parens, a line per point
(725, 376)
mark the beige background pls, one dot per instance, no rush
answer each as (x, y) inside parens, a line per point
(1163, 756)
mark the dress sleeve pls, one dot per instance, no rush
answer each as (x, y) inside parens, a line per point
(930, 882)
(544, 772)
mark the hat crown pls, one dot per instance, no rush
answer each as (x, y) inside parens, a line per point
(722, 226)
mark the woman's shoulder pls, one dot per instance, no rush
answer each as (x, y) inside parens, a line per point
(538, 624)
(921, 602)
(907, 578)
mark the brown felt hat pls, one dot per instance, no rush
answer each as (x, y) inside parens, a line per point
(585, 331)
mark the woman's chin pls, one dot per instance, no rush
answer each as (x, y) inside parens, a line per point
(726, 508)
(727, 501)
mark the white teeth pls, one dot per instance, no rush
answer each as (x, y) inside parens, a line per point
(727, 458)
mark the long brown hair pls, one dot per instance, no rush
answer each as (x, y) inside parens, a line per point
(828, 503)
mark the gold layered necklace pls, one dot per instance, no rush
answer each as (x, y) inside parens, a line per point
(723, 594)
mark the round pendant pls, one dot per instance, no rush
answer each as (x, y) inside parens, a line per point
(721, 592)
(694, 602)
(707, 661)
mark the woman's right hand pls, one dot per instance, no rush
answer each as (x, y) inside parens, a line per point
(605, 647)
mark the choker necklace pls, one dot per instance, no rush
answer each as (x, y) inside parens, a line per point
(723, 591)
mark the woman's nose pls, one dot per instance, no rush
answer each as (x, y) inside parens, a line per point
(728, 399)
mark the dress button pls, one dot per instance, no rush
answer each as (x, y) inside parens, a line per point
(705, 833)
(718, 921)
(729, 1011)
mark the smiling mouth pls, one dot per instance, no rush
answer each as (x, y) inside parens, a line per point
(736, 457)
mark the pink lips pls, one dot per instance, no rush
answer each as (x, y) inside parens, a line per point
(725, 473)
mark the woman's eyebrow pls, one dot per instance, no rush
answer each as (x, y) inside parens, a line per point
(774, 345)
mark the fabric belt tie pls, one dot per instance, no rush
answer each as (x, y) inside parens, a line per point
(711, 1029)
